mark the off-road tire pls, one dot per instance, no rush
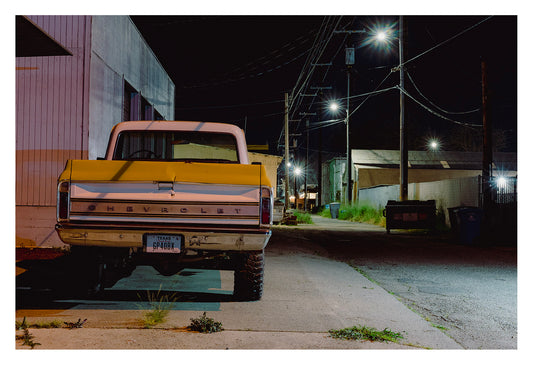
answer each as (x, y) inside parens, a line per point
(248, 277)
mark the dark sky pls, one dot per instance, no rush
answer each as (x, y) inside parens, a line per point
(237, 68)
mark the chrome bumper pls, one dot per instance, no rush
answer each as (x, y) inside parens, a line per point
(197, 240)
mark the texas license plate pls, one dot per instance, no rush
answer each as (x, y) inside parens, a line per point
(163, 243)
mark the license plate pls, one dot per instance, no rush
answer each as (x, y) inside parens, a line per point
(163, 243)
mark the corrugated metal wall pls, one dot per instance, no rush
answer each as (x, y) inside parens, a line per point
(121, 59)
(51, 115)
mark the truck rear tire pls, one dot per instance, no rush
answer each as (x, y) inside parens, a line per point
(248, 277)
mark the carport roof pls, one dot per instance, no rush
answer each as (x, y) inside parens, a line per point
(503, 161)
(32, 41)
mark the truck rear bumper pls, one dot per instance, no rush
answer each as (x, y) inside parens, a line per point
(212, 240)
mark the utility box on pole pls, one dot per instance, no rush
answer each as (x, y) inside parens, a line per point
(350, 56)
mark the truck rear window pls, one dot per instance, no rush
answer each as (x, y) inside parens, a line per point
(176, 146)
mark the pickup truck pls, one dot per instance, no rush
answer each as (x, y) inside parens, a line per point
(170, 194)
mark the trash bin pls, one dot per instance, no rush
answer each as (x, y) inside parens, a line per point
(466, 222)
(410, 214)
(334, 210)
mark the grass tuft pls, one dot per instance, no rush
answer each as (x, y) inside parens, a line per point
(48, 324)
(160, 306)
(365, 333)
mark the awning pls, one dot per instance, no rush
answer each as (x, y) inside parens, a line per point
(32, 41)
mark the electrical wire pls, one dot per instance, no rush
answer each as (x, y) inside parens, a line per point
(324, 124)
(469, 125)
(319, 45)
(371, 94)
(446, 41)
(229, 106)
(435, 105)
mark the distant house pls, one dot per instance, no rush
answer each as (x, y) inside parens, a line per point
(271, 163)
(76, 77)
(381, 167)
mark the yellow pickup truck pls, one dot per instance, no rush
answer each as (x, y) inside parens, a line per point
(170, 194)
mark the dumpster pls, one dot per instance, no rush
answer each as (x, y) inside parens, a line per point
(466, 223)
(410, 214)
(334, 210)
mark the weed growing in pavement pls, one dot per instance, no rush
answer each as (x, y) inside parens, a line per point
(442, 328)
(27, 338)
(205, 324)
(365, 333)
(160, 306)
(48, 324)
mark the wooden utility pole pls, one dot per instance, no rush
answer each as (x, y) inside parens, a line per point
(286, 151)
(487, 136)
(404, 155)
(306, 170)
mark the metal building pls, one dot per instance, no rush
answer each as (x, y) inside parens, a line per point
(96, 72)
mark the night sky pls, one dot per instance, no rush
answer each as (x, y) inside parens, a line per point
(236, 69)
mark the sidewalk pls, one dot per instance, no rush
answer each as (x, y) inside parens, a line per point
(305, 296)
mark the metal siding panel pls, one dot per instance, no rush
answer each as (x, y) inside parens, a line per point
(49, 111)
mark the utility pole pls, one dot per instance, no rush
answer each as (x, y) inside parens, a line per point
(350, 61)
(286, 151)
(404, 156)
(487, 137)
(348, 159)
(306, 171)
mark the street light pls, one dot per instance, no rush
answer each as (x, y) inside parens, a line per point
(434, 144)
(334, 106)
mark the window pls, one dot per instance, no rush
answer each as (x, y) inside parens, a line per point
(176, 146)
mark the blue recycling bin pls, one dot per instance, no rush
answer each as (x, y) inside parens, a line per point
(468, 224)
(334, 210)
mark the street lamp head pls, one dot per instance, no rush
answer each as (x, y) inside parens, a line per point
(334, 106)
(297, 171)
(381, 35)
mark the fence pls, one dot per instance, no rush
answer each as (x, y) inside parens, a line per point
(446, 193)
(496, 196)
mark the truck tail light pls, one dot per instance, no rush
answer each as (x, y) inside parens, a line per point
(63, 200)
(266, 206)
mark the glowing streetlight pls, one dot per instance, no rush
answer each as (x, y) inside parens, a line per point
(297, 171)
(381, 36)
(334, 106)
(433, 144)
(501, 182)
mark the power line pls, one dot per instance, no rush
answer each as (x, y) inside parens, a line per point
(371, 94)
(446, 41)
(230, 106)
(469, 125)
(435, 105)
